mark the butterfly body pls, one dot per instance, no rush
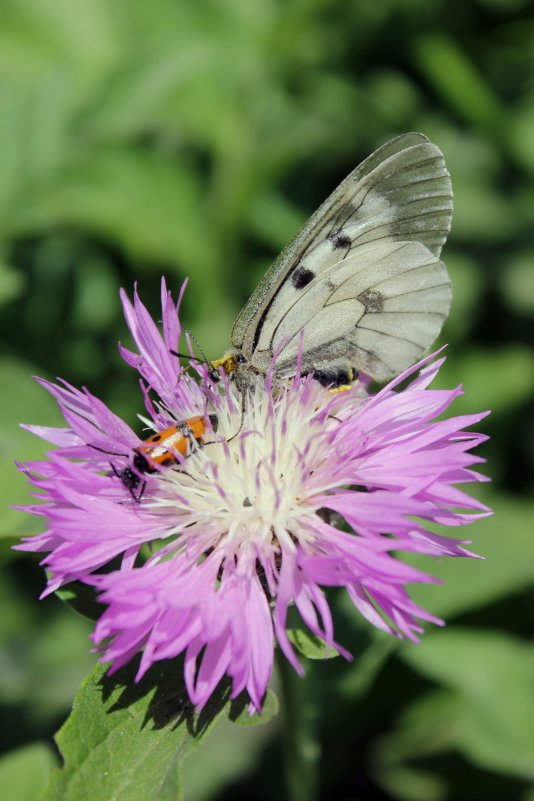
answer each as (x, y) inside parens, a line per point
(361, 286)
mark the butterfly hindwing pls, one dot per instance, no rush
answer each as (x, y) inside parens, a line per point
(378, 311)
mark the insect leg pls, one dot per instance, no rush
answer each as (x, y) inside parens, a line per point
(141, 492)
(242, 419)
(130, 480)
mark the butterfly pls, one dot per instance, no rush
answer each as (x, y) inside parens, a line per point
(361, 286)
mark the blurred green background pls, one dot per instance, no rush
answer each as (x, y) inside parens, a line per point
(192, 139)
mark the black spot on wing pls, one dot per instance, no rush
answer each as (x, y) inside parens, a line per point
(339, 240)
(302, 277)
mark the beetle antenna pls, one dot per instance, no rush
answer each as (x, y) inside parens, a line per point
(110, 453)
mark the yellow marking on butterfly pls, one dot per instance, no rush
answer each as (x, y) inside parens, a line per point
(342, 388)
(228, 363)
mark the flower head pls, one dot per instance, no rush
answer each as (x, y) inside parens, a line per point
(292, 491)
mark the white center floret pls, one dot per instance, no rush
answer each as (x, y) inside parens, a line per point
(251, 484)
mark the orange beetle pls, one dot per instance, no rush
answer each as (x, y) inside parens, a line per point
(161, 449)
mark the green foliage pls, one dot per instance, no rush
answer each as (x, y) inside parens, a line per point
(192, 139)
(243, 717)
(24, 771)
(309, 645)
(503, 540)
(484, 711)
(21, 400)
(82, 599)
(492, 675)
(135, 736)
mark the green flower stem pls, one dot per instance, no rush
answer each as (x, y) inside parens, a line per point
(300, 745)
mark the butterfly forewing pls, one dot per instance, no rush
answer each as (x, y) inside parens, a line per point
(344, 280)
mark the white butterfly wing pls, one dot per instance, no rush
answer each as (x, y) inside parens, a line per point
(377, 310)
(401, 194)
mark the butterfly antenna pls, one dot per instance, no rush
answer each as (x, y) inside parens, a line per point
(182, 355)
(197, 343)
(212, 371)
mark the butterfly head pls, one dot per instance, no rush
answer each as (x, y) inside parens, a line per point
(230, 364)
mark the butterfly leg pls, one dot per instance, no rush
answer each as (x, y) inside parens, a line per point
(242, 419)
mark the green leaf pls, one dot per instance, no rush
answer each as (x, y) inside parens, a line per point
(126, 741)
(427, 727)
(309, 645)
(469, 584)
(25, 770)
(493, 675)
(239, 710)
(409, 784)
(82, 599)
(45, 654)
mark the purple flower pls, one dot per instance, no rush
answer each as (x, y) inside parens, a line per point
(225, 539)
